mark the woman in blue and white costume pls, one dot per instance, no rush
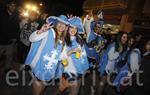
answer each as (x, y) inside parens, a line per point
(43, 57)
(110, 57)
(77, 49)
(76, 56)
(132, 65)
(116, 52)
(94, 40)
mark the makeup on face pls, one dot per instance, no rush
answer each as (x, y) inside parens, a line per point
(72, 31)
(124, 38)
(131, 41)
(97, 28)
(60, 27)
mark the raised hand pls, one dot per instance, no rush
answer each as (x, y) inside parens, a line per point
(45, 27)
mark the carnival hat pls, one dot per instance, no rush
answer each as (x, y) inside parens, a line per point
(76, 22)
(61, 18)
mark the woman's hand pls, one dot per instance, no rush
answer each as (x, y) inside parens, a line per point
(77, 50)
(73, 51)
(45, 28)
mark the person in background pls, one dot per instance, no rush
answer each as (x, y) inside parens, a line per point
(141, 88)
(9, 33)
(42, 19)
(27, 26)
(132, 63)
(147, 48)
(109, 59)
(95, 41)
(87, 22)
(116, 52)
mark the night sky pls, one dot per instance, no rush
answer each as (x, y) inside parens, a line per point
(57, 7)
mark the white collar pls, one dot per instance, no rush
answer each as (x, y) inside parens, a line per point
(73, 37)
(146, 53)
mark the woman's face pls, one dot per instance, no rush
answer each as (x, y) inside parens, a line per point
(97, 28)
(124, 38)
(72, 31)
(148, 46)
(60, 27)
(131, 41)
(11, 7)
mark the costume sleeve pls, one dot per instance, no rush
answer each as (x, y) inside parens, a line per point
(112, 54)
(134, 62)
(37, 37)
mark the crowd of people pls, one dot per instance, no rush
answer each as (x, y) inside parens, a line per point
(64, 48)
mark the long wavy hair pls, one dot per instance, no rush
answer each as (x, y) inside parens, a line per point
(118, 41)
(62, 37)
(68, 38)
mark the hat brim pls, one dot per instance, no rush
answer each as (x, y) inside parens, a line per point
(55, 19)
(72, 25)
(79, 26)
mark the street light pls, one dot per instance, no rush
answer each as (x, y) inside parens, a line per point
(34, 8)
(26, 14)
(28, 6)
(41, 4)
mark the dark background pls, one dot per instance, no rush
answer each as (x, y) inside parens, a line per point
(55, 7)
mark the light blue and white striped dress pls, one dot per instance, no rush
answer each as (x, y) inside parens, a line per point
(43, 57)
